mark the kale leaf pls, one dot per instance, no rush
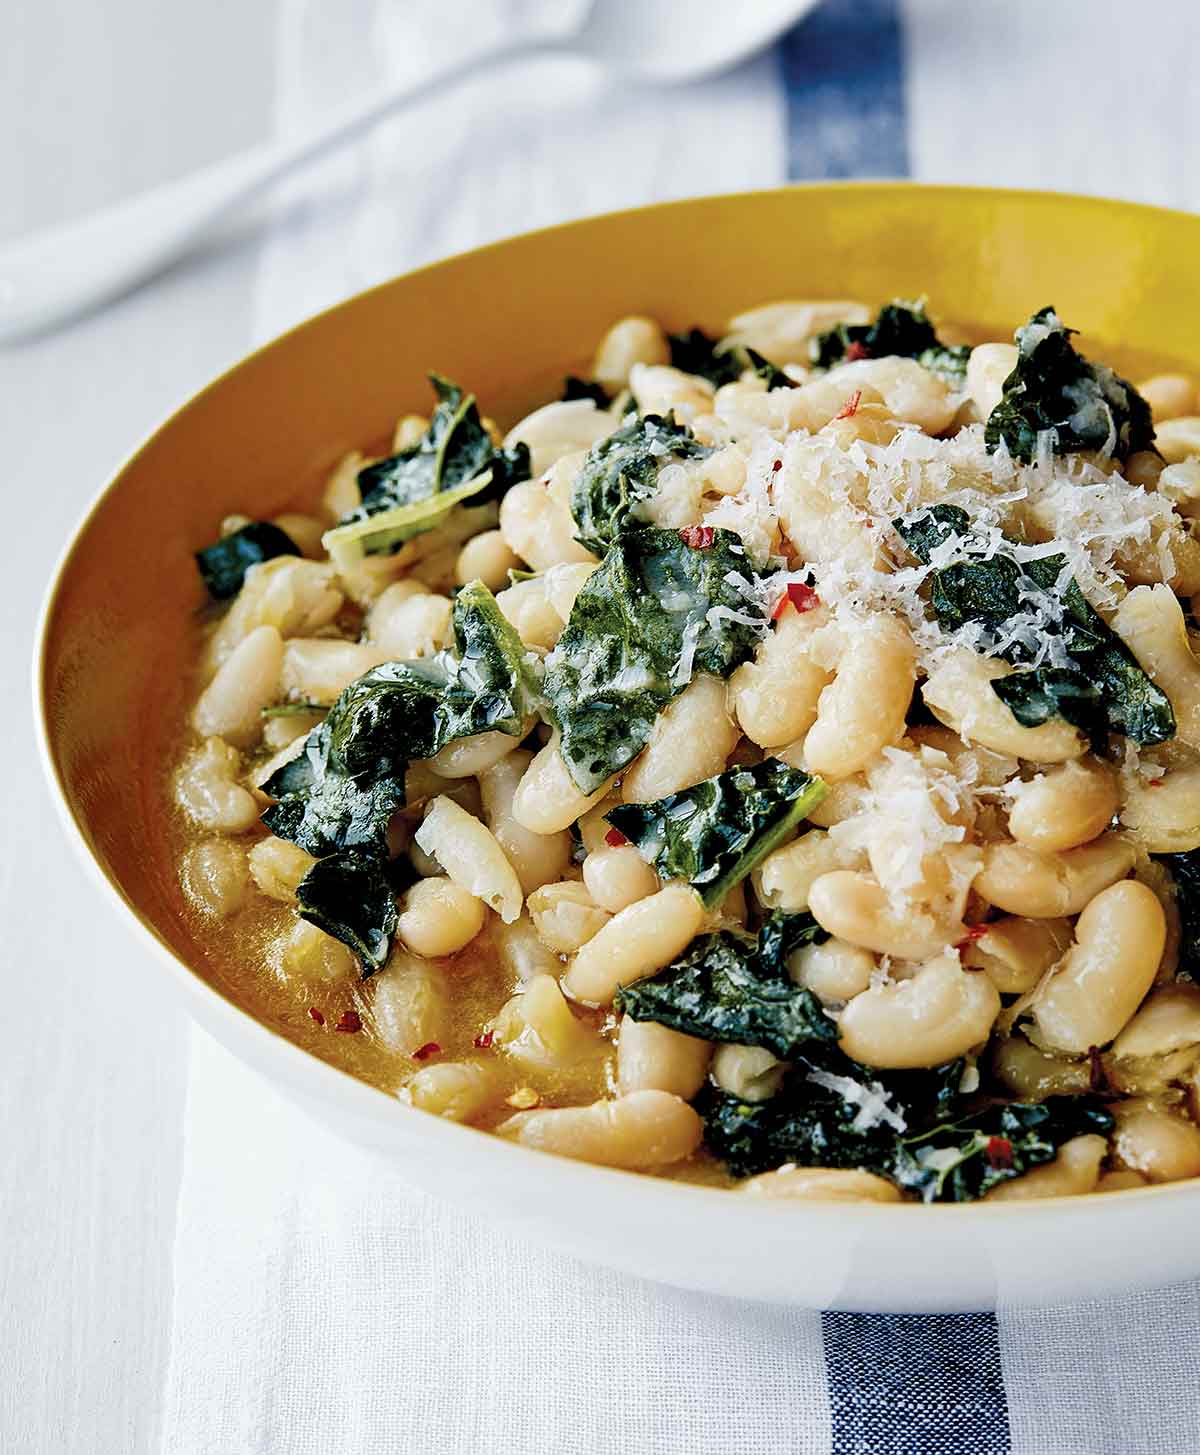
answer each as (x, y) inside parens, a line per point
(224, 564)
(413, 490)
(764, 369)
(350, 896)
(615, 666)
(714, 833)
(1103, 687)
(622, 470)
(1088, 406)
(722, 989)
(1184, 870)
(696, 353)
(576, 388)
(901, 329)
(344, 786)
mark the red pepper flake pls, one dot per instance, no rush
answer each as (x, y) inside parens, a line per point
(776, 465)
(1154, 783)
(857, 351)
(852, 404)
(699, 537)
(351, 1021)
(423, 1053)
(316, 1015)
(999, 1153)
(802, 597)
(483, 1041)
(974, 932)
(615, 839)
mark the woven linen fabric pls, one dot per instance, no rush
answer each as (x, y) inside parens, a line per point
(322, 1307)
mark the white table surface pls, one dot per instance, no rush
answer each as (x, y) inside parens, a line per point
(97, 101)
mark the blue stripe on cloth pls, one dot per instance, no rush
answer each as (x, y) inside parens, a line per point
(909, 1384)
(843, 83)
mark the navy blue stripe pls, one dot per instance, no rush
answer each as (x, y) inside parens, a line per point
(843, 80)
(909, 1384)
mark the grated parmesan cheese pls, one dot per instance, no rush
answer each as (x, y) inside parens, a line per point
(872, 1100)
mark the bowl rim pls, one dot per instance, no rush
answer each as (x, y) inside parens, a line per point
(209, 1007)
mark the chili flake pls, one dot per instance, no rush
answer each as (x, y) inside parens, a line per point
(857, 351)
(316, 1015)
(351, 1021)
(523, 1098)
(777, 465)
(615, 839)
(423, 1053)
(699, 537)
(802, 597)
(974, 932)
(851, 407)
(484, 1040)
(999, 1153)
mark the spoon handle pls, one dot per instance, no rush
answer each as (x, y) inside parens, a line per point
(49, 277)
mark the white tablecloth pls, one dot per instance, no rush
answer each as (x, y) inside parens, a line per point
(266, 1289)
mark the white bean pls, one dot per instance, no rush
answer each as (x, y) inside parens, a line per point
(643, 1129)
(207, 789)
(537, 858)
(214, 876)
(439, 917)
(654, 1057)
(230, 707)
(635, 943)
(938, 1015)
(468, 852)
(691, 739)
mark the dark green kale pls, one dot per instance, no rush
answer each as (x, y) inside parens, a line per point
(1184, 870)
(577, 388)
(349, 779)
(764, 369)
(350, 896)
(293, 709)
(224, 564)
(901, 329)
(413, 490)
(1053, 387)
(1102, 688)
(696, 353)
(622, 470)
(654, 600)
(714, 833)
(722, 989)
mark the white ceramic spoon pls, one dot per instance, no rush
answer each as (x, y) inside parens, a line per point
(50, 277)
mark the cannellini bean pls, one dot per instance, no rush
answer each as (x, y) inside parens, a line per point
(555, 430)
(547, 800)
(309, 957)
(911, 393)
(439, 917)
(1068, 806)
(834, 970)
(410, 1003)
(341, 494)
(635, 943)
(282, 731)
(1119, 941)
(304, 531)
(563, 584)
(460, 1091)
(1180, 484)
(1046, 886)
(654, 1057)
(959, 694)
(785, 876)
(521, 953)
(618, 877)
(1164, 813)
(864, 707)
(691, 739)
(408, 431)
(1143, 468)
(277, 867)
(406, 622)
(643, 1129)
(230, 707)
(488, 558)
(775, 696)
(295, 596)
(207, 790)
(1015, 953)
(468, 852)
(1178, 439)
(1075, 1170)
(526, 605)
(853, 906)
(470, 757)
(1150, 621)
(1169, 396)
(751, 1073)
(818, 513)
(537, 858)
(781, 331)
(214, 876)
(941, 1013)
(659, 389)
(1033, 1075)
(319, 669)
(565, 916)
(1159, 1144)
(538, 1028)
(988, 367)
(822, 1184)
(871, 423)
(1168, 1020)
(537, 528)
(633, 340)
(1119, 1181)
(843, 800)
